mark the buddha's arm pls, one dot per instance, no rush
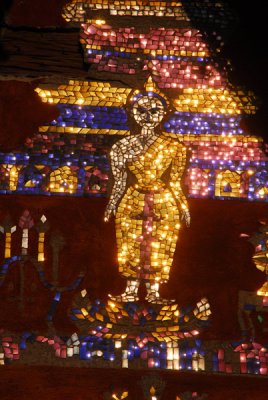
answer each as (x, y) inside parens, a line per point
(177, 170)
(120, 178)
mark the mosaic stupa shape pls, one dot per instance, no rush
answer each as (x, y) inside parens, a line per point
(68, 156)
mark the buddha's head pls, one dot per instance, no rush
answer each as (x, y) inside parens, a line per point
(148, 110)
(148, 106)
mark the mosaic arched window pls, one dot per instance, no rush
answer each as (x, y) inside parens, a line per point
(63, 180)
(228, 183)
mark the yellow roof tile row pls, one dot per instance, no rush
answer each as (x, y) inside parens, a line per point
(76, 10)
(202, 100)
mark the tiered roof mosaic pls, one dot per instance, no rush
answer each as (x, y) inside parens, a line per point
(180, 50)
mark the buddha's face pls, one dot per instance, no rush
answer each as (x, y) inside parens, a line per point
(148, 111)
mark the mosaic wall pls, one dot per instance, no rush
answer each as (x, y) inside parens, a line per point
(188, 125)
(84, 351)
(208, 14)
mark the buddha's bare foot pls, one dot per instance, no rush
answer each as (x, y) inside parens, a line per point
(130, 294)
(152, 298)
(124, 298)
(153, 295)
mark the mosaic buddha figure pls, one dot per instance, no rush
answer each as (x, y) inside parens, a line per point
(148, 212)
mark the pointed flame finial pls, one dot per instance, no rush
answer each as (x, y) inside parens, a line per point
(150, 89)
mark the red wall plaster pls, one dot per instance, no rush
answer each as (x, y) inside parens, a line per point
(55, 383)
(36, 13)
(21, 113)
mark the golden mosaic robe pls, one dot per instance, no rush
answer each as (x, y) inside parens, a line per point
(148, 216)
